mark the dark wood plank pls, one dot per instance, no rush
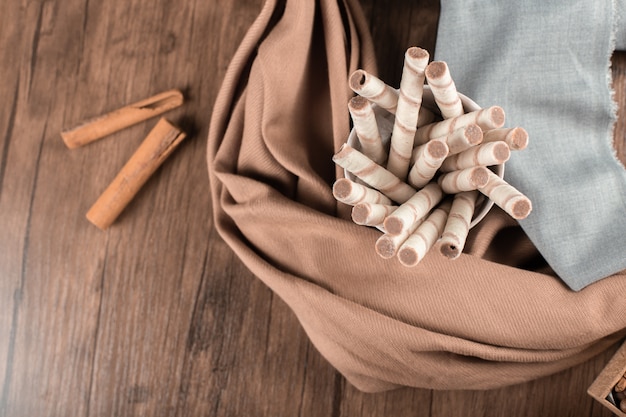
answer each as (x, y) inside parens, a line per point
(396, 27)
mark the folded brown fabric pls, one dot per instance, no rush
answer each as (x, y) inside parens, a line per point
(495, 316)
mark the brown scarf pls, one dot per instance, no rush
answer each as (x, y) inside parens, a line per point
(495, 316)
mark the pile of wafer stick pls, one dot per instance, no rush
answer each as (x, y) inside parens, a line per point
(421, 186)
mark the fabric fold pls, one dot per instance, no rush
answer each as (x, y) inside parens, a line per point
(478, 322)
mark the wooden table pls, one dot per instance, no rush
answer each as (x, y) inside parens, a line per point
(156, 316)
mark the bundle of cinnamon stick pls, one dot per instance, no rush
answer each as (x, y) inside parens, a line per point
(421, 184)
(152, 152)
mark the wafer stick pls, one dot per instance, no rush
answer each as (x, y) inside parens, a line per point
(485, 154)
(515, 137)
(486, 119)
(99, 127)
(409, 103)
(463, 138)
(156, 147)
(368, 214)
(428, 159)
(352, 193)
(374, 89)
(507, 197)
(366, 129)
(387, 245)
(458, 224)
(444, 90)
(415, 247)
(413, 209)
(467, 179)
(373, 174)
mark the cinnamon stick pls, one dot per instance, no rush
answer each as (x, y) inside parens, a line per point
(99, 127)
(152, 152)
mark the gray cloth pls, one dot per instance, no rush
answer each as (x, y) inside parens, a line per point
(547, 64)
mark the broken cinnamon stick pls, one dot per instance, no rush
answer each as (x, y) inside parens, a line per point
(152, 152)
(99, 127)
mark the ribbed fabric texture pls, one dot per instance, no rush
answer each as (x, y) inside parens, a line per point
(548, 65)
(495, 316)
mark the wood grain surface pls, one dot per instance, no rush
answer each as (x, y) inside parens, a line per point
(156, 316)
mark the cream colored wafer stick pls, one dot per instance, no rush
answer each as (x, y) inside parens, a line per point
(485, 154)
(121, 118)
(352, 193)
(413, 209)
(368, 214)
(409, 103)
(366, 129)
(374, 89)
(464, 180)
(463, 138)
(424, 237)
(458, 224)
(444, 90)
(428, 159)
(415, 63)
(387, 245)
(373, 174)
(507, 197)
(515, 137)
(486, 119)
